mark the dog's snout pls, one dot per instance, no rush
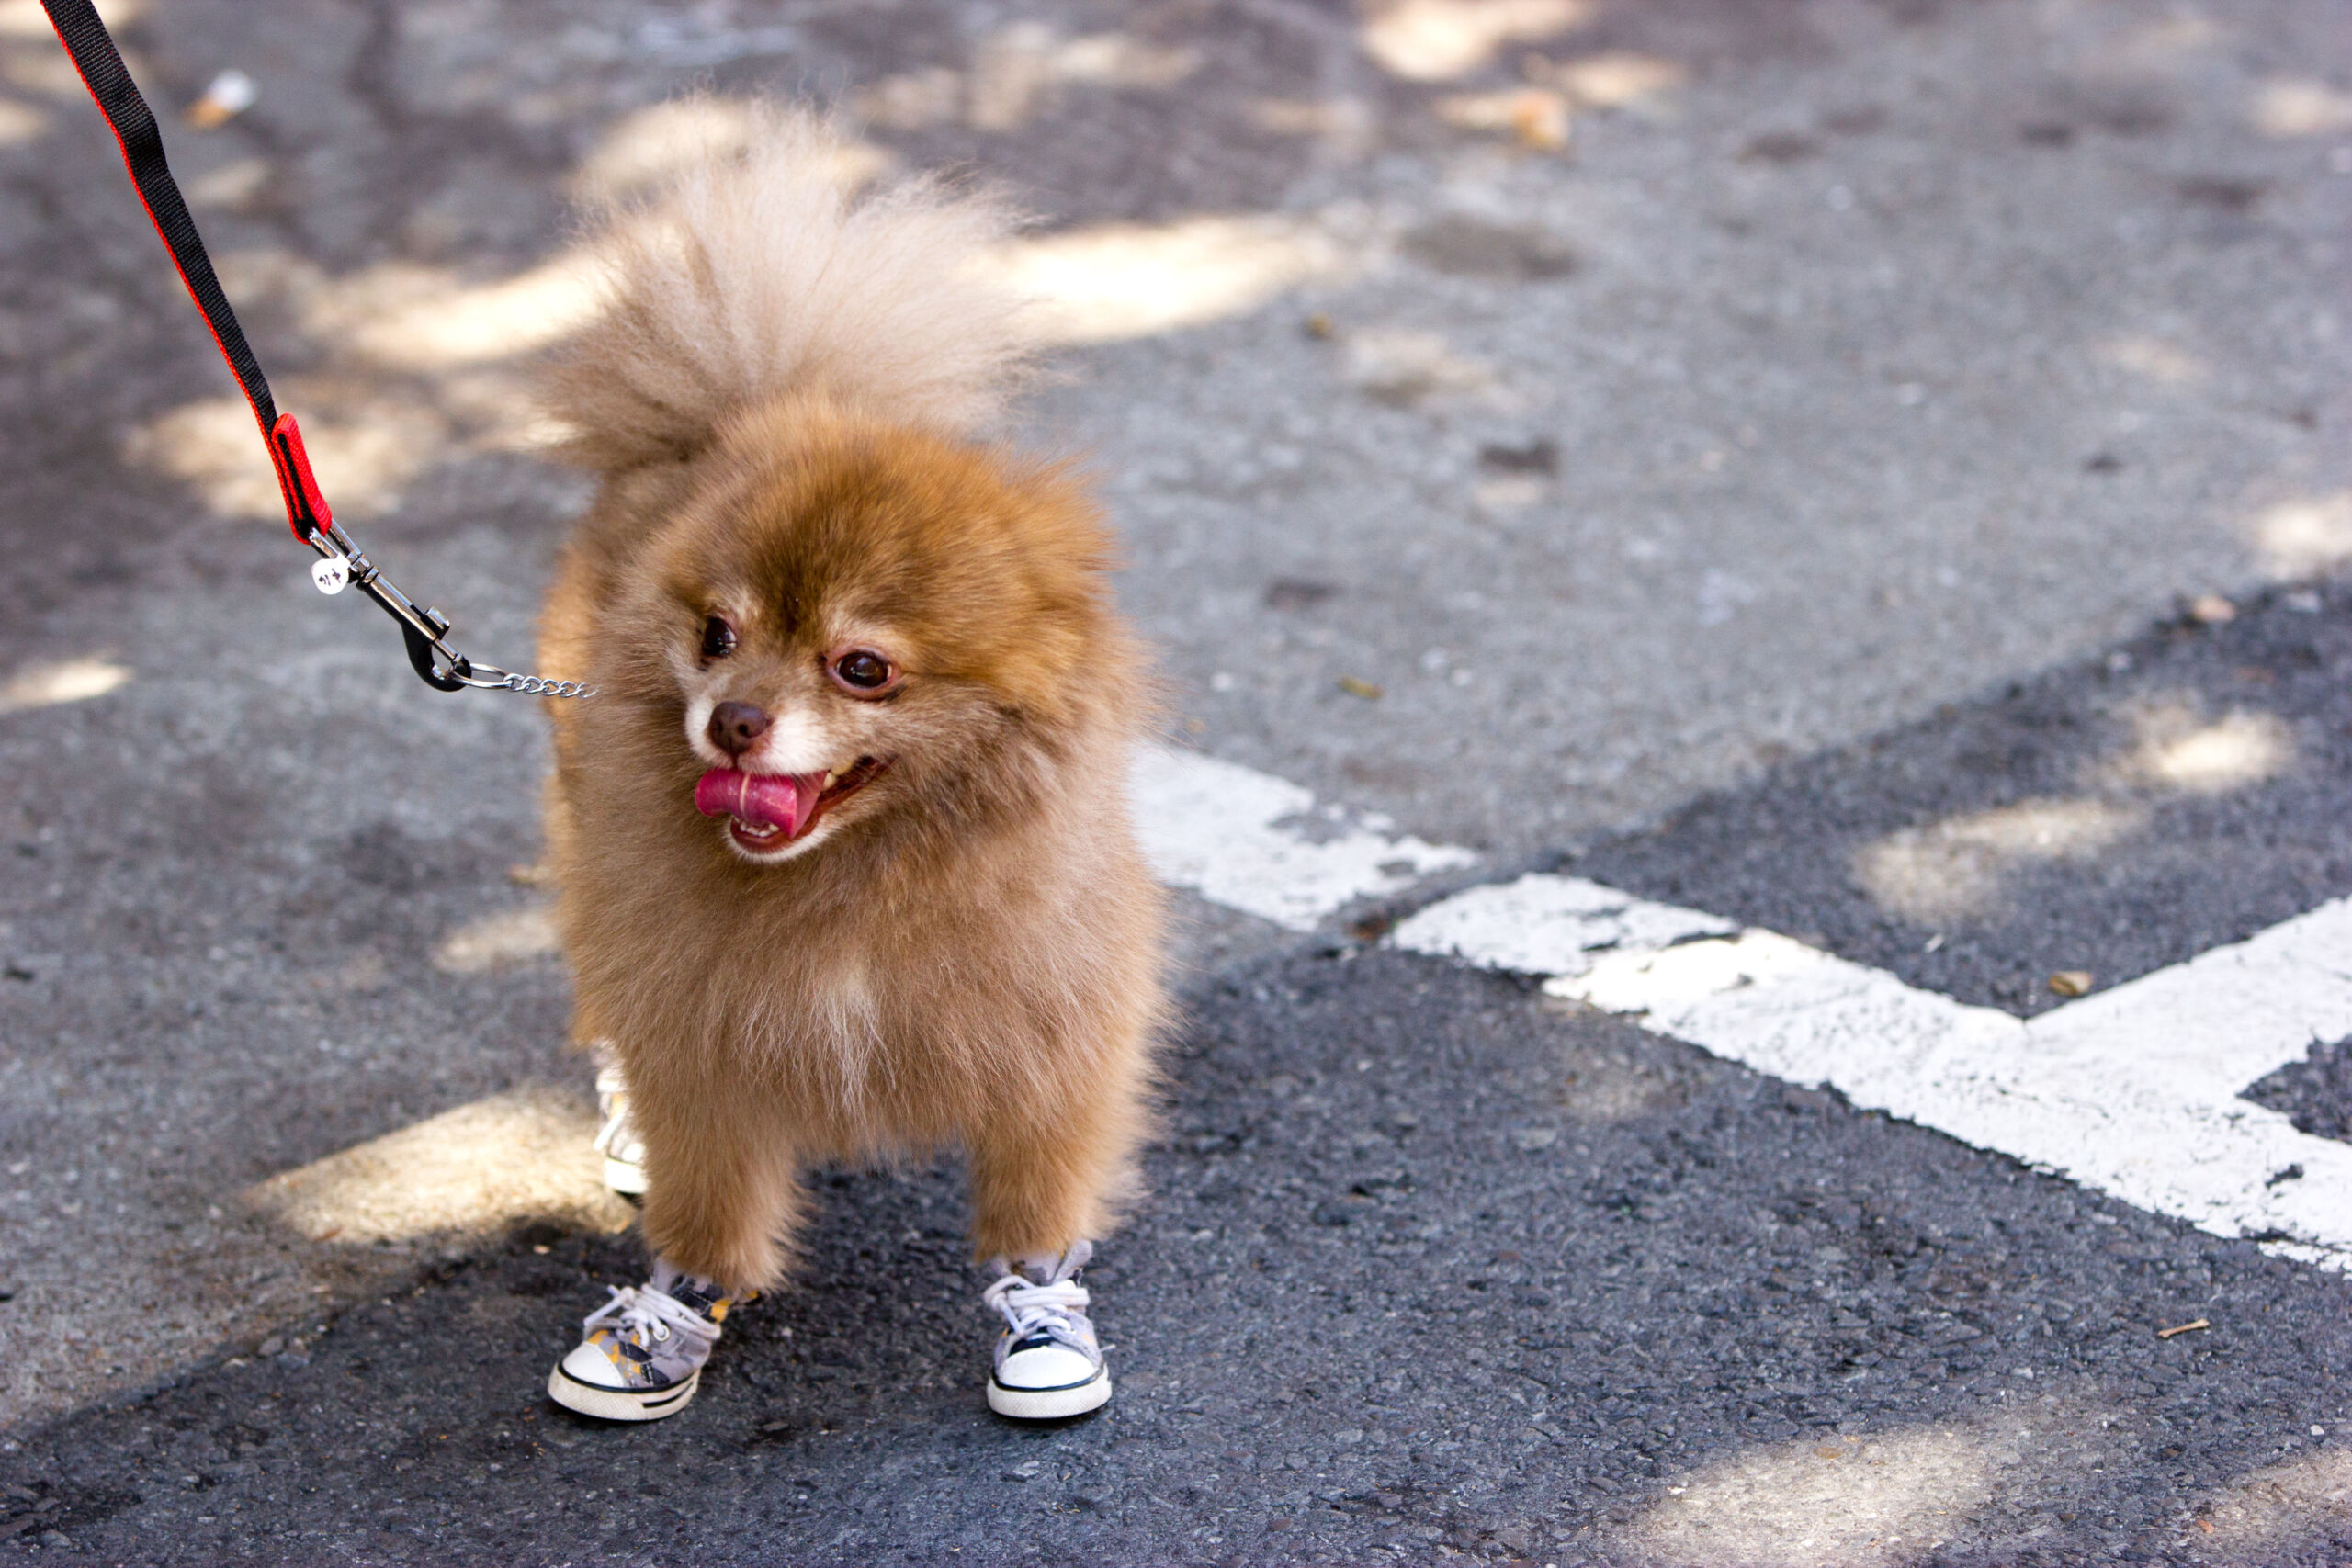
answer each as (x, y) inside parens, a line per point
(734, 727)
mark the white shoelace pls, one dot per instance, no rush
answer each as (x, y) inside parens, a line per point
(616, 1137)
(1033, 1308)
(651, 1314)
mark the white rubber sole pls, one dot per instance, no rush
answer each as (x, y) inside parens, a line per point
(1050, 1403)
(619, 1404)
(625, 1179)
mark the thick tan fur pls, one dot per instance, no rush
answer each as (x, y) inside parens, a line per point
(967, 953)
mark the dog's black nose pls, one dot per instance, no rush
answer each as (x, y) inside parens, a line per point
(735, 726)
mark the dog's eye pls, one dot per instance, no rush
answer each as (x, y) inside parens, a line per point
(718, 638)
(863, 670)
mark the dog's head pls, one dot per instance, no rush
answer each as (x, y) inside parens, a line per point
(841, 619)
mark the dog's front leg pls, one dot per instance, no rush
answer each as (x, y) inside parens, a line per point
(1040, 1183)
(1042, 1187)
(723, 1196)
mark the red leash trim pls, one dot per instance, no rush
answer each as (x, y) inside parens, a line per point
(140, 140)
(306, 509)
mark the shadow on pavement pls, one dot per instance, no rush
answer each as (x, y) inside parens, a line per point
(2114, 815)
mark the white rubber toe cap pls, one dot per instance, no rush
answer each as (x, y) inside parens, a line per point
(586, 1380)
(1047, 1366)
(1048, 1384)
(589, 1366)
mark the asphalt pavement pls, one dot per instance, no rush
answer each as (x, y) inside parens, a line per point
(1429, 1267)
(1872, 470)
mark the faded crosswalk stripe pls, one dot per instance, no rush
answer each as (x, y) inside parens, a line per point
(2132, 1091)
(1260, 844)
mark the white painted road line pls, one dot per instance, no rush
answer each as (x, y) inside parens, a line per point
(1260, 844)
(2132, 1092)
(1550, 925)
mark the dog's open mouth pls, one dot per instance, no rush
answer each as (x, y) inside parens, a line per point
(767, 811)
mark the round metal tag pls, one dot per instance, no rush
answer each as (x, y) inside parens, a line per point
(331, 573)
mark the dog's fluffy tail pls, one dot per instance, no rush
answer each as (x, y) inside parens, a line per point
(764, 272)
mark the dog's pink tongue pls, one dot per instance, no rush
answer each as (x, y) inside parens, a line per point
(773, 800)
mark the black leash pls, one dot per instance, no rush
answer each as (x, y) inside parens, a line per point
(341, 563)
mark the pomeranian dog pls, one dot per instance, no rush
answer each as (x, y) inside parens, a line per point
(846, 864)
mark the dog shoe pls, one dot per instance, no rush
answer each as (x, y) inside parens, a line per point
(1047, 1364)
(617, 1140)
(642, 1354)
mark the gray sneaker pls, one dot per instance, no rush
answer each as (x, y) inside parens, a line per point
(1047, 1364)
(642, 1355)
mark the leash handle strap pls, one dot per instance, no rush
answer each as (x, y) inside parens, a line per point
(94, 54)
(425, 631)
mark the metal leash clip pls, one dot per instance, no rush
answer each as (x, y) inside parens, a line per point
(342, 564)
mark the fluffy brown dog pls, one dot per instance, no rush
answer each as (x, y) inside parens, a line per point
(846, 864)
